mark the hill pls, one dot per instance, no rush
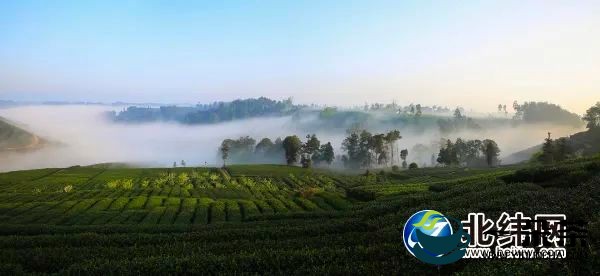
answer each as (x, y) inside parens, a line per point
(583, 143)
(13, 138)
(263, 219)
(208, 113)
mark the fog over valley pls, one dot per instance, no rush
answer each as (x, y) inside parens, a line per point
(85, 135)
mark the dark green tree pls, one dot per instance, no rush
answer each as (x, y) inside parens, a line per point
(390, 140)
(403, 155)
(225, 148)
(548, 151)
(292, 146)
(592, 117)
(326, 153)
(491, 151)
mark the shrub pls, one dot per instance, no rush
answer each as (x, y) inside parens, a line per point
(395, 168)
(68, 188)
(413, 166)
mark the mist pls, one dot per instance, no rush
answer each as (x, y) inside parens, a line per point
(82, 135)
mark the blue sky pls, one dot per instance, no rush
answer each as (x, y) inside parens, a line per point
(469, 53)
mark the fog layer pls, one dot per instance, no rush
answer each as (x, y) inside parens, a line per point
(81, 135)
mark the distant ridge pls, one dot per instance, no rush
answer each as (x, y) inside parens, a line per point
(13, 138)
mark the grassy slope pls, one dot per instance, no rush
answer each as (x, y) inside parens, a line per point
(345, 224)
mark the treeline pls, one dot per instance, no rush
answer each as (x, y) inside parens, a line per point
(543, 112)
(580, 144)
(290, 150)
(208, 113)
(469, 153)
(366, 150)
(457, 123)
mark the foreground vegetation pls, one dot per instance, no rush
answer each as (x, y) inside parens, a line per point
(273, 219)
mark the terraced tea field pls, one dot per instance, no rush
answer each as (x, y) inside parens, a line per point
(263, 219)
(97, 196)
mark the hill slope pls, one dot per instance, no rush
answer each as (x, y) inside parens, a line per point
(15, 138)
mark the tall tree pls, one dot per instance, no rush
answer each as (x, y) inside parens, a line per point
(352, 148)
(292, 146)
(365, 144)
(326, 153)
(390, 139)
(457, 114)
(491, 152)
(403, 155)
(378, 145)
(225, 148)
(592, 117)
(419, 112)
(547, 155)
(311, 147)
(447, 154)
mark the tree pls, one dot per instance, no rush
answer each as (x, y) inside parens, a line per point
(457, 114)
(292, 146)
(365, 143)
(326, 153)
(500, 108)
(491, 151)
(562, 149)
(403, 155)
(592, 117)
(263, 146)
(419, 112)
(183, 163)
(311, 147)
(447, 154)
(378, 146)
(225, 148)
(547, 155)
(413, 166)
(351, 146)
(174, 164)
(390, 140)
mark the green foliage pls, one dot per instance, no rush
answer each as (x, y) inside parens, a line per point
(292, 146)
(274, 219)
(592, 117)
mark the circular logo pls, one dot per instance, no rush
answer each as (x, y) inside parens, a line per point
(431, 223)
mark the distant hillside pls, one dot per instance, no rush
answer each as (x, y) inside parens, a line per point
(585, 143)
(523, 155)
(15, 138)
(207, 113)
(543, 112)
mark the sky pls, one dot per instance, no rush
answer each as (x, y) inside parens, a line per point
(474, 54)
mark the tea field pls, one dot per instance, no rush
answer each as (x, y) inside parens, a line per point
(269, 219)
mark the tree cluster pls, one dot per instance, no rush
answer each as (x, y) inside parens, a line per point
(457, 123)
(208, 113)
(540, 112)
(289, 150)
(554, 150)
(469, 153)
(364, 149)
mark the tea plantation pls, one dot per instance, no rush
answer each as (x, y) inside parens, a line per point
(269, 219)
